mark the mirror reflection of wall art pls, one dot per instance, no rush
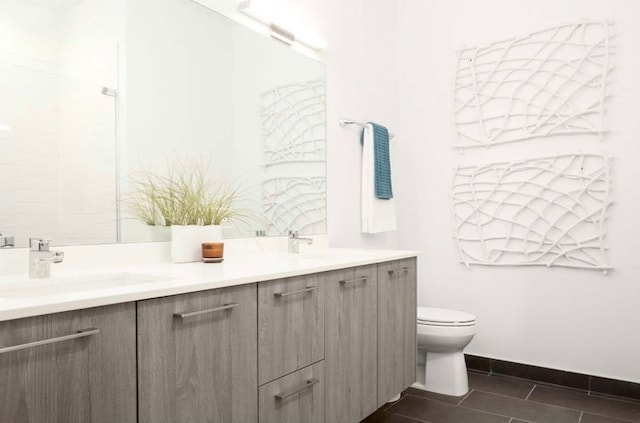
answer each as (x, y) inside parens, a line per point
(295, 203)
(550, 82)
(294, 144)
(533, 212)
(293, 123)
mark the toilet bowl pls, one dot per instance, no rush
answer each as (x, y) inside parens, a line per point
(442, 336)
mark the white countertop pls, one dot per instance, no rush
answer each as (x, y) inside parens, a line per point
(64, 291)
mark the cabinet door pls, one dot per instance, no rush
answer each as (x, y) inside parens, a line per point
(396, 327)
(72, 367)
(295, 398)
(197, 357)
(351, 344)
(290, 325)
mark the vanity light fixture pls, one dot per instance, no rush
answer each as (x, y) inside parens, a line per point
(282, 34)
(276, 31)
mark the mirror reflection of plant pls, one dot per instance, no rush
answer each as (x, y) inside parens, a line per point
(185, 194)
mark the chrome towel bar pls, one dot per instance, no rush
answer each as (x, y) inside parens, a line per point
(346, 122)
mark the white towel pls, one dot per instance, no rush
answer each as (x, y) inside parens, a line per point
(377, 215)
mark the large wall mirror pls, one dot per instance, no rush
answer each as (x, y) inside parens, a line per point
(93, 92)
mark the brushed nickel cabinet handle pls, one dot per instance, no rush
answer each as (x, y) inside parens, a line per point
(406, 269)
(308, 384)
(207, 311)
(346, 282)
(299, 291)
(79, 334)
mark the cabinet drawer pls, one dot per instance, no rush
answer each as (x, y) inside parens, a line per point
(197, 357)
(72, 367)
(290, 325)
(295, 398)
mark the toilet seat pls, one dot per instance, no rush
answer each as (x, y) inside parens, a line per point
(443, 317)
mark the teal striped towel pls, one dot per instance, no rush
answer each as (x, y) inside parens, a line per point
(382, 165)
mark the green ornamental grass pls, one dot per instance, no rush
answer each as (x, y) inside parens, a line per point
(184, 195)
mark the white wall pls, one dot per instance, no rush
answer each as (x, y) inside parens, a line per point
(361, 84)
(573, 320)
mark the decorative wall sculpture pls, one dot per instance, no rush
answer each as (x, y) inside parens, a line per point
(550, 82)
(293, 123)
(533, 212)
(294, 132)
(295, 203)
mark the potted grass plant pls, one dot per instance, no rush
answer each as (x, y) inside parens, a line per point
(188, 200)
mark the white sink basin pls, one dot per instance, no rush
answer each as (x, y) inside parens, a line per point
(26, 288)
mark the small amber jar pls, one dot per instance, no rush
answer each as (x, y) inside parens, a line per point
(212, 249)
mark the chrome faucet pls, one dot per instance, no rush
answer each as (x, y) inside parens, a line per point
(41, 257)
(6, 241)
(295, 240)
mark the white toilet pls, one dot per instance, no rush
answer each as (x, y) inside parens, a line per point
(442, 335)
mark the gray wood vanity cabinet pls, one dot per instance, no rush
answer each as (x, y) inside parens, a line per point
(327, 347)
(351, 344)
(71, 367)
(197, 357)
(290, 325)
(397, 310)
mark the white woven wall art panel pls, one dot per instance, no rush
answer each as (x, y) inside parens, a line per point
(550, 82)
(296, 203)
(533, 212)
(293, 123)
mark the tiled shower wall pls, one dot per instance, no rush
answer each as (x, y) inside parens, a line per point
(29, 152)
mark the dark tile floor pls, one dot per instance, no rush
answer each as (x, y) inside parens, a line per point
(503, 399)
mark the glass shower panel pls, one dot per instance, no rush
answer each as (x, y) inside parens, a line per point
(57, 156)
(88, 164)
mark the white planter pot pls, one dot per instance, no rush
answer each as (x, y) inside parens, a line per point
(158, 233)
(212, 233)
(186, 243)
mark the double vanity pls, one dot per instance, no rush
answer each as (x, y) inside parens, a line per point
(320, 337)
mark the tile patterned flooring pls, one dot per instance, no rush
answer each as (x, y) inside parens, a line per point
(503, 399)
